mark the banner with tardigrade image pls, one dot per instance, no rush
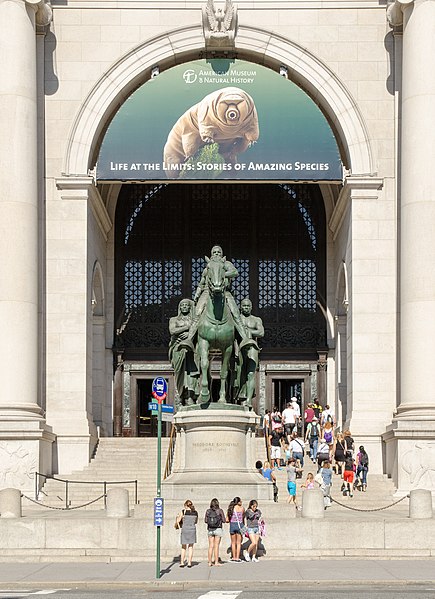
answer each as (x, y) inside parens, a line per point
(223, 120)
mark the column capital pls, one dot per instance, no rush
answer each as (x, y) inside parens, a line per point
(43, 11)
(395, 12)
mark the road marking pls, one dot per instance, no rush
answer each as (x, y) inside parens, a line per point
(220, 595)
(15, 594)
(49, 592)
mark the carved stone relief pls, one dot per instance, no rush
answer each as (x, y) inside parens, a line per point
(18, 466)
(419, 464)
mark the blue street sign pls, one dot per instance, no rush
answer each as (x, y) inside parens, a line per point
(160, 387)
(165, 408)
(158, 511)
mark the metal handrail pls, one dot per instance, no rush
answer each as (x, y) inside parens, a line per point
(85, 482)
(171, 451)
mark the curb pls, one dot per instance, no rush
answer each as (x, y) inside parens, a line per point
(211, 584)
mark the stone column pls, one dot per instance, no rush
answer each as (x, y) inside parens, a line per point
(415, 418)
(20, 415)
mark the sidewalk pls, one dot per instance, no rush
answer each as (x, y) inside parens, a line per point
(245, 575)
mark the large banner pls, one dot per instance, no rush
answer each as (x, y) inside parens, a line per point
(219, 119)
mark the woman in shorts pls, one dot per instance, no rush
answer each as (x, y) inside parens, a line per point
(214, 518)
(253, 515)
(349, 474)
(291, 481)
(236, 517)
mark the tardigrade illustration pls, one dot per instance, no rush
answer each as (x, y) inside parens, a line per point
(227, 117)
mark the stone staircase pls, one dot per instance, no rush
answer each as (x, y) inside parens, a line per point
(116, 459)
(380, 489)
(122, 459)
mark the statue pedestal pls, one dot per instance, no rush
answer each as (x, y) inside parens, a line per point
(215, 456)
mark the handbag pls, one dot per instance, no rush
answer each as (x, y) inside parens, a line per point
(179, 521)
(243, 529)
(262, 528)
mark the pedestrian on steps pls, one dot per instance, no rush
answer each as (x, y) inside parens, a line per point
(348, 475)
(362, 468)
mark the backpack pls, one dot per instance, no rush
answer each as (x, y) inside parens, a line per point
(276, 418)
(364, 459)
(213, 519)
(314, 431)
(327, 436)
(330, 419)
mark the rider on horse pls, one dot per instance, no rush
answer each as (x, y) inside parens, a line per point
(202, 294)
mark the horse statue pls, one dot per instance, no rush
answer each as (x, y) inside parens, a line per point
(216, 330)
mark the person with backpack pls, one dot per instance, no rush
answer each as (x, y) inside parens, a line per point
(275, 419)
(362, 467)
(328, 435)
(312, 436)
(349, 474)
(214, 518)
(327, 416)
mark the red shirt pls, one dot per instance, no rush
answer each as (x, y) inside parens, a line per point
(309, 415)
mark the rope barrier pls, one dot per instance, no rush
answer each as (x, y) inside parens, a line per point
(377, 509)
(50, 507)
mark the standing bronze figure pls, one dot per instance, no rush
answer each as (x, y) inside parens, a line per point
(249, 355)
(183, 359)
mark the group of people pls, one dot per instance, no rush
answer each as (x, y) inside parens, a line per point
(242, 523)
(331, 452)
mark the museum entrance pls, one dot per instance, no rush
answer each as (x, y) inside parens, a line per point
(147, 423)
(284, 390)
(274, 234)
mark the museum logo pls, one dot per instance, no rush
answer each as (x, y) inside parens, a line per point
(190, 76)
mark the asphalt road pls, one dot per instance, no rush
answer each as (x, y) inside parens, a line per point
(283, 592)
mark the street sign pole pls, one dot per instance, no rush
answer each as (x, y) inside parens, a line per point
(159, 476)
(159, 392)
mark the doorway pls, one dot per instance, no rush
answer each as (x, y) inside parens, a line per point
(284, 390)
(147, 423)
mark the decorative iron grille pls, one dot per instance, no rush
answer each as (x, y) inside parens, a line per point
(273, 234)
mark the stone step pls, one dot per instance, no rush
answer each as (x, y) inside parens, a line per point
(121, 459)
(116, 459)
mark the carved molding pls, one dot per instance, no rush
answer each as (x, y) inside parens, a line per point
(395, 12)
(81, 188)
(354, 187)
